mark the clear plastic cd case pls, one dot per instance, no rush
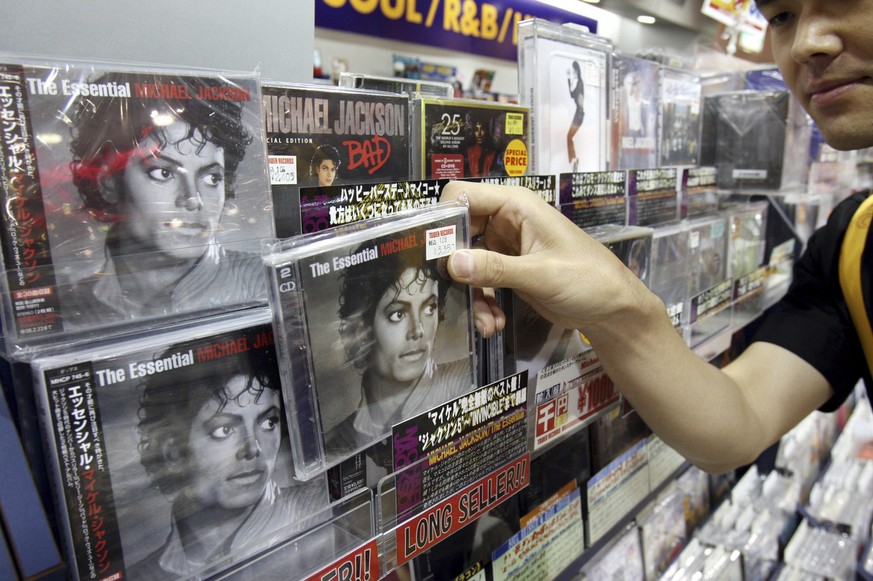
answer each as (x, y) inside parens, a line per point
(460, 138)
(169, 453)
(698, 192)
(132, 195)
(748, 238)
(631, 244)
(653, 196)
(744, 137)
(635, 95)
(709, 285)
(325, 136)
(680, 117)
(404, 85)
(371, 329)
(564, 79)
(670, 271)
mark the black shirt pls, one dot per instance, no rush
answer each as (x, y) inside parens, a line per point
(813, 320)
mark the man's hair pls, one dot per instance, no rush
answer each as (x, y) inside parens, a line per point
(363, 285)
(107, 131)
(322, 153)
(170, 401)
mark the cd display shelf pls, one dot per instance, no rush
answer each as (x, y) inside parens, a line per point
(709, 350)
(719, 343)
(797, 492)
(572, 572)
(798, 214)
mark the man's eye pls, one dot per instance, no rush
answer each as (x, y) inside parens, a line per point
(213, 179)
(269, 424)
(221, 432)
(395, 316)
(160, 174)
(780, 19)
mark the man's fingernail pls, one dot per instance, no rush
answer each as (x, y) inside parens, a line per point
(463, 199)
(462, 263)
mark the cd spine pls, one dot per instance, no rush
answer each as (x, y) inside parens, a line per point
(72, 427)
(50, 450)
(418, 150)
(291, 343)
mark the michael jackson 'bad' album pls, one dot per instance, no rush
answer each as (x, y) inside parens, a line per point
(325, 136)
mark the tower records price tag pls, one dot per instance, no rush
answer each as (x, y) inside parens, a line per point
(441, 242)
(283, 169)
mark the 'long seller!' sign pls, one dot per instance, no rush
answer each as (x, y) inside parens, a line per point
(418, 534)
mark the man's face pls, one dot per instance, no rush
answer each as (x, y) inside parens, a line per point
(824, 49)
(479, 132)
(234, 449)
(172, 195)
(405, 327)
(326, 171)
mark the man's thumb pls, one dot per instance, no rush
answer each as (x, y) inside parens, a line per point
(476, 267)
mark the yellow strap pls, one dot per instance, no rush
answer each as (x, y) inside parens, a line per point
(850, 274)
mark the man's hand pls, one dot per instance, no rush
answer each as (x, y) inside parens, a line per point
(527, 245)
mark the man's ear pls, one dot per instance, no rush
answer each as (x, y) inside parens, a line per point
(364, 335)
(172, 453)
(109, 185)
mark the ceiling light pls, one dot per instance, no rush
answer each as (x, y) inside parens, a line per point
(646, 19)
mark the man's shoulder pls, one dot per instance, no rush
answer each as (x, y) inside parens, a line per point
(343, 436)
(829, 237)
(845, 209)
(458, 370)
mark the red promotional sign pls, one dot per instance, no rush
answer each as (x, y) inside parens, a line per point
(439, 522)
(362, 564)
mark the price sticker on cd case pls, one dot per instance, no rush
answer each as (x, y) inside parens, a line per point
(441, 242)
(283, 170)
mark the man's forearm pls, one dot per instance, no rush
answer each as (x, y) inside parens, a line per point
(693, 406)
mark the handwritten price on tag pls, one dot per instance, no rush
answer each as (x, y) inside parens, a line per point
(441, 242)
(283, 170)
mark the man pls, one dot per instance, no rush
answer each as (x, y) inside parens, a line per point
(159, 173)
(211, 442)
(324, 166)
(807, 354)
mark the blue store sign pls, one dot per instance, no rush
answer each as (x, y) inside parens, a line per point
(479, 27)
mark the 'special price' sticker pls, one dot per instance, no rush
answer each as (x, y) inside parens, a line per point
(441, 242)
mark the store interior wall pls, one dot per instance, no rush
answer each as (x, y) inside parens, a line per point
(265, 35)
(373, 56)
